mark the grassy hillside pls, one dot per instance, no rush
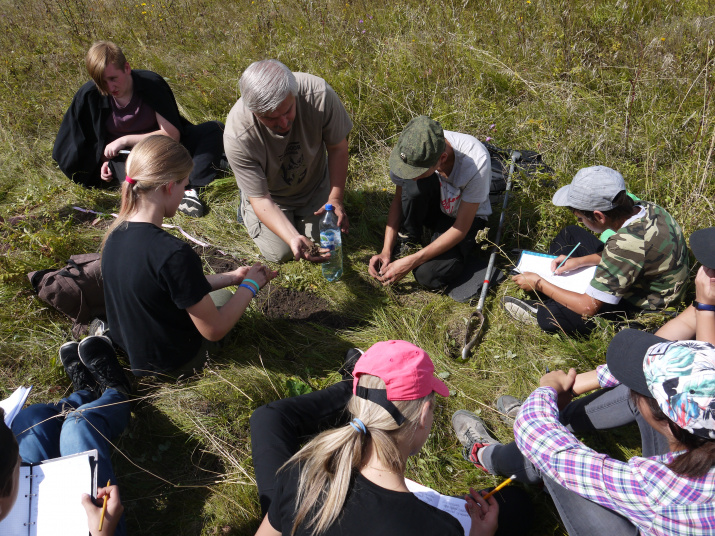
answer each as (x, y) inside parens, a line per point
(623, 84)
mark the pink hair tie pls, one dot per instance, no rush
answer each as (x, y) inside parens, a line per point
(130, 180)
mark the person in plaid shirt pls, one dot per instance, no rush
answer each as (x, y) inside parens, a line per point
(673, 386)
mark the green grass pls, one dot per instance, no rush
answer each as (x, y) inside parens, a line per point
(623, 84)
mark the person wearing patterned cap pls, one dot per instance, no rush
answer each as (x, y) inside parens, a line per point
(673, 386)
(442, 182)
(643, 266)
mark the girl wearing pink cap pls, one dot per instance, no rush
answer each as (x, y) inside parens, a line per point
(350, 480)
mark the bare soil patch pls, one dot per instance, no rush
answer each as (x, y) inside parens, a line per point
(284, 303)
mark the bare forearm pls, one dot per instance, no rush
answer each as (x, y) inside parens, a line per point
(585, 382)
(394, 219)
(338, 169)
(224, 280)
(705, 326)
(680, 328)
(272, 217)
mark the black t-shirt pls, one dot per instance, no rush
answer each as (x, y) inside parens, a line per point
(368, 510)
(150, 278)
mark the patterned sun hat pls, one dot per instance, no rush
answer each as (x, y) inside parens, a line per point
(679, 375)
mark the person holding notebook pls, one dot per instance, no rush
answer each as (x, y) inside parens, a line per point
(95, 412)
(643, 266)
(672, 383)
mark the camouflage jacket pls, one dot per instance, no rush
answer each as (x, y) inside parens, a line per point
(644, 263)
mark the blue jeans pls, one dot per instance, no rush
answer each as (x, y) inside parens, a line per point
(75, 424)
(601, 410)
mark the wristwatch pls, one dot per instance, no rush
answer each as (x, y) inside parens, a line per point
(703, 306)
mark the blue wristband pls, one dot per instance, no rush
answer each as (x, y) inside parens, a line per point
(252, 282)
(253, 292)
(703, 306)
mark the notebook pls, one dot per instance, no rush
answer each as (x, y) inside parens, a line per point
(540, 263)
(49, 497)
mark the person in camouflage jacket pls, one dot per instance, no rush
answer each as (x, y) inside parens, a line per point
(643, 266)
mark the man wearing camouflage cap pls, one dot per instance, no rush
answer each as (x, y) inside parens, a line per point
(442, 181)
(643, 266)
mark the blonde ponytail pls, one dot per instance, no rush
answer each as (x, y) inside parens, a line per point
(153, 162)
(328, 461)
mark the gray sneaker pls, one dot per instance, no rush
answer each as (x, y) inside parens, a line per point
(523, 311)
(508, 408)
(98, 328)
(472, 434)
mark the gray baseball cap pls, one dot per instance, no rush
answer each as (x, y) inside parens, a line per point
(593, 188)
(419, 147)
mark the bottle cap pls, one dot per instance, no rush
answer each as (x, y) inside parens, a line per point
(328, 206)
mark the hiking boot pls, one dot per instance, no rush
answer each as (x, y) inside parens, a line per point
(98, 327)
(191, 205)
(508, 408)
(523, 311)
(472, 434)
(351, 357)
(98, 355)
(82, 379)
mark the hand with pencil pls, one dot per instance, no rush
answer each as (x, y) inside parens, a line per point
(484, 511)
(104, 514)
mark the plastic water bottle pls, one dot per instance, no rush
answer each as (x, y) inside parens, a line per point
(331, 239)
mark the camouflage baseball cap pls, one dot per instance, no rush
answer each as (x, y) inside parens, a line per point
(593, 188)
(418, 149)
(679, 375)
(702, 244)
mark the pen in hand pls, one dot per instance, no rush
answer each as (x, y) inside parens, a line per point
(567, 257)
(104, 507)
(499, 487)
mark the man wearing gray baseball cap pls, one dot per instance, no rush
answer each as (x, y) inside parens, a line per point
(442, 182)
(643, 266)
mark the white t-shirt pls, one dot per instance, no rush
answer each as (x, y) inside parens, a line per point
(470, 178)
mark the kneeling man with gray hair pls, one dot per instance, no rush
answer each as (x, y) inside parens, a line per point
(286, 141)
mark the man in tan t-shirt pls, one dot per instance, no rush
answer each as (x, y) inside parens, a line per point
(286, 141)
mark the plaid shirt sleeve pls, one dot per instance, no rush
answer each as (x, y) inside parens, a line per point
(605, 378)
(560, 456)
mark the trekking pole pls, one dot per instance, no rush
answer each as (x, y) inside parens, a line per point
(469, 343)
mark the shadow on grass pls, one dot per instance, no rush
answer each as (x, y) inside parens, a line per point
(165, 489)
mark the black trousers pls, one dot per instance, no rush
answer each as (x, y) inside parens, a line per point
(553, 316)
(205, 145)
(421, 208)
(279, 429)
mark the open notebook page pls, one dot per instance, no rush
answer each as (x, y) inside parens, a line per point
(61, 485)
(540, 263)
(452, 505)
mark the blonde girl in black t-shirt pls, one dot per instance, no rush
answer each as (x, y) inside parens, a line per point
(158, 305)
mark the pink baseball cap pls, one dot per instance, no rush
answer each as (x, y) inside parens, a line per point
(407, 370)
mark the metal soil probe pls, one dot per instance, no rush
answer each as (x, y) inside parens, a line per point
(477, 314)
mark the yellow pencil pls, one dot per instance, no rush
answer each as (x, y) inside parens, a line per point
(500, 486)
(104, 508)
